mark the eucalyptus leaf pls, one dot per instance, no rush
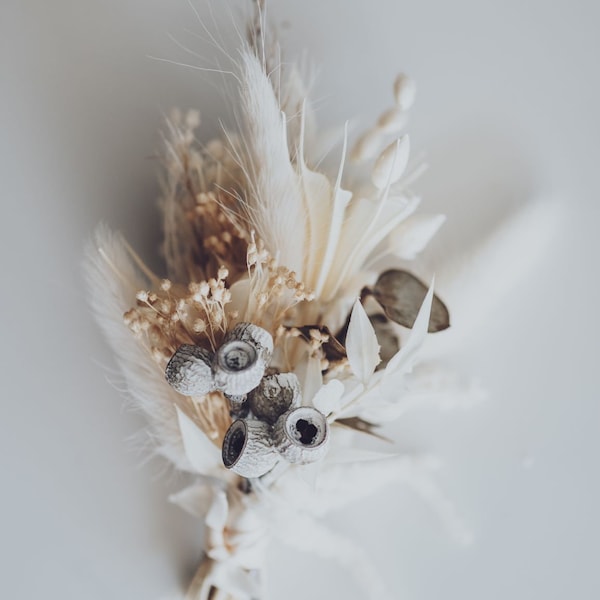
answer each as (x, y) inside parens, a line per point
(401, 295)
(387, 338)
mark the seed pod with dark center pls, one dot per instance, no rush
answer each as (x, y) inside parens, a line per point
(274, 395)
(240, 363)
(401, 295)
(247, 448)
(189, 371)
(301, 435)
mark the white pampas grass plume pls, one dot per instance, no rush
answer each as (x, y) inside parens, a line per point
(113, 280)
(274, 202)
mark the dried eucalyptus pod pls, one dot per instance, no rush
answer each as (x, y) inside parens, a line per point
(238, 404)
(189, 371)
(274, 395)
(301, 435)
(247, 448)
(240, 363)
(401, 295)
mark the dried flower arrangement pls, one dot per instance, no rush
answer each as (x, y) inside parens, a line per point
(277, 340)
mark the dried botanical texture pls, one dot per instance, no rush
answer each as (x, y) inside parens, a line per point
(248, 448)
(255, 236)
(274, 395)
(301, 435)
(241, 360)
(201, 185)
(147, 336)
(189, 371)
(401, 295)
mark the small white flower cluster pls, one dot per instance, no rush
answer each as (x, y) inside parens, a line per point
(272, 425)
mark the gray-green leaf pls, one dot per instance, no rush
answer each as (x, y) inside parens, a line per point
(401, 295)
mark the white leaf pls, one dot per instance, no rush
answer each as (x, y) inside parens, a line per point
(327, 399)
(341, 198)
(413, 234)
(402, 361)
(203, 456)
(216, 517)
(310, 376)
(362, 347)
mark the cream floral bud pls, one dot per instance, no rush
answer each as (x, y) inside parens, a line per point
(405, 90)
(367, 146)
(392, 120)
(391, 164)
(274, 395)
(301, 435)
(189, 371)
(240, 363)
(247, 448)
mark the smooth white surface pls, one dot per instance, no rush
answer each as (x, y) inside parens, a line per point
(507, 110)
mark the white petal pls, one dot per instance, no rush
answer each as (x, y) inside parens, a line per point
(391, 164)
(237, 583)
(413, 234)
(203, 456)
(362, 347)
(216, 517)
(310, 376)
(402, 361)
(335, 221)
(327, 399)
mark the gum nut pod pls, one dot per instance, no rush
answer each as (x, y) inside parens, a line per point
(274, 395)
(240, 363)
(189, 371)
(238, 406)
(301, 435)
(247, 448)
